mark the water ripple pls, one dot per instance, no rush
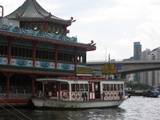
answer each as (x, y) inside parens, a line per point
(134, 108)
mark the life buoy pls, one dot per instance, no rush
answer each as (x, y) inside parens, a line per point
(73, 96)
(78, 97)
(64, 95)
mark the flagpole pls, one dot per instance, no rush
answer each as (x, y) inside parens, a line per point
(109, 66)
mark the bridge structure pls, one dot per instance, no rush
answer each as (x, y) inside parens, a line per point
(127, 67)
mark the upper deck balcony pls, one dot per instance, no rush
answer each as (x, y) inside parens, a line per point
(44, 37)
(40, 34)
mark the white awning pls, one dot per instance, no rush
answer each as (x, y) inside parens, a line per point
(62, 80)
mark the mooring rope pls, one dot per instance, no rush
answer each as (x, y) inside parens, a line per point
(18, 111)
(12, 113)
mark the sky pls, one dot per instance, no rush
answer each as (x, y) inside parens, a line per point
(112, 24)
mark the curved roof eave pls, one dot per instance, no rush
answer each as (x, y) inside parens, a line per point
(31, 10)
(63, 22)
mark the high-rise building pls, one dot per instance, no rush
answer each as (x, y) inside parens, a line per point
(137, 51)
(144, 76)
(137, 56)
(151, 78)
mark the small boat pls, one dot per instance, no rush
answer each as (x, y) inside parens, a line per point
(79, 93)
(151, 93)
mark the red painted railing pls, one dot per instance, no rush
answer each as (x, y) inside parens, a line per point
(84, 78)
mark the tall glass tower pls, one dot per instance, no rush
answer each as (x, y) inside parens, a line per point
(137, 56)
(137, 51)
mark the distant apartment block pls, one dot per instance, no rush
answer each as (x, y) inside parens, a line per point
(151, 78)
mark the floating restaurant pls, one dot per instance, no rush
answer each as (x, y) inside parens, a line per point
(34, 44)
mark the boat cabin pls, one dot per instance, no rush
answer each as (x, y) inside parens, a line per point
(80, 90)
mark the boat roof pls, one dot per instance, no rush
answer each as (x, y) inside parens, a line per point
(74, 81)
(60, 80)
(30, 10)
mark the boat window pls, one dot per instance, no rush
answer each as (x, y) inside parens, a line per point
(115, 87)
(73, 86)
(64, 86)
(90, 87)
(79, 87)
(83, 87)
(121, 87)
(86, 87)
(118, 87)
(111, 87)
(19, 51)
(3, 50)
(106, 87)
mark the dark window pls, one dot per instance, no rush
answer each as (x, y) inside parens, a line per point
(44, 54)
(73, 87)
(65, 57)
(21, 52)
(3, 50)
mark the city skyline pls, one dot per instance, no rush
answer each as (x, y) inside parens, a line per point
(113, 25)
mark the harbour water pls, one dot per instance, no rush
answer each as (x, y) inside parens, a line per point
(134, 108)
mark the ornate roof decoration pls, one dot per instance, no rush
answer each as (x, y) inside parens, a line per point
(30, 10)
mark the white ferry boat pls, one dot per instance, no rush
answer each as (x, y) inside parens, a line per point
(79, 93)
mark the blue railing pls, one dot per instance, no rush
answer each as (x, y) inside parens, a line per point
(31, 32)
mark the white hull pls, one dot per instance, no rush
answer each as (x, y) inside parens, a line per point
(48, 103)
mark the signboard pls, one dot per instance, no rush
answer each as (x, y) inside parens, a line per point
(62, 66)
(84, 70)
(47, 65)
(109, 68)
(3, 60)
(22, 62)
(118, 66)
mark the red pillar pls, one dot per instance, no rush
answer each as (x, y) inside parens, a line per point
(45, 26)
(8, 76)
(9, 52)
(56, 56)
(34, 54)
(34, 62)
(75, 62)
(33, 85)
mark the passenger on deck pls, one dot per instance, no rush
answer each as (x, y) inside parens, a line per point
(120, 95)
(84, 96)
(103, 95)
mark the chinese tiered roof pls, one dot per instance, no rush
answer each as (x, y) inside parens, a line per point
(30, 10)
